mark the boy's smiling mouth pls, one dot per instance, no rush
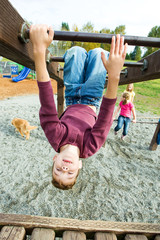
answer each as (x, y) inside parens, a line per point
(67, 161)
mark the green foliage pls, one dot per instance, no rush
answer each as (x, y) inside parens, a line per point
(88, 27)
(105, 46)
(136, 54)
(120, 29)
(64, 26)
(155, 32)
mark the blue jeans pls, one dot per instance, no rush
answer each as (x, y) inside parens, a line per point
(84, 76)
(123, 121)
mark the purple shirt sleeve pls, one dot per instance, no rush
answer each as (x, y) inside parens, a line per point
(49, 120)
(97, 136)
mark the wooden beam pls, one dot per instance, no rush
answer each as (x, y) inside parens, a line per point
(136, 74)
(11, 47)
(59, 225)
(153, 144)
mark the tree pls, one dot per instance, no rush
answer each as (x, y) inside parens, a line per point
(105, 46)
(155, 32)
(63, 45)
(64, 26)
(120, 29)
(136, 54)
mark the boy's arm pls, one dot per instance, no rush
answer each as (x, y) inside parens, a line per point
(95, 139)
(41, 39)
(114, 65)
(49, 120)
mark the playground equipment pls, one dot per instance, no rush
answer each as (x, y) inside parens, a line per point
(16, 226)
(23, 74)
(22, 53)
(46, 228)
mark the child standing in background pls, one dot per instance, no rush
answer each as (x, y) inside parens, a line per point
(125, 114)
(129, 89)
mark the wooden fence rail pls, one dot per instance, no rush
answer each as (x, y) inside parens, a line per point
(48, 228)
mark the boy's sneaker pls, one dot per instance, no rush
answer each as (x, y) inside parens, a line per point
(115, 133)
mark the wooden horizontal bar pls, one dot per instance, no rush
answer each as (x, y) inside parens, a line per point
(136, 74)
(11, 47)
(59, 225)
(103, 38)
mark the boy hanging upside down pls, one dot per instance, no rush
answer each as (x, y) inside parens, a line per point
(79, 132)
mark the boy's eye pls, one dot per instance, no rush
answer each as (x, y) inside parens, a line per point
(58, 169)
(70, 172)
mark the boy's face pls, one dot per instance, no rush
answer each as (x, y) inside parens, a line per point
(65, 168)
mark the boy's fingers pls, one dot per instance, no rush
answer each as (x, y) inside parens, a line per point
(117, 44)
(121, 45)
(51, 32)
(103, 59)
(125, 50)
(112, 45)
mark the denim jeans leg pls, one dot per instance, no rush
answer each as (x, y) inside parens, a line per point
(74, 70)
(120, 123)
(95, 74)
(126, 126)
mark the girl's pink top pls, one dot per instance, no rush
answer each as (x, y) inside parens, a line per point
(126, 109)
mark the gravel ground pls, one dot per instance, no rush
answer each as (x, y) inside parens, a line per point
(119, 183)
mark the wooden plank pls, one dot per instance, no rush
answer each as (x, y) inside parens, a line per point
(153, 144)
(135, 237)
(105, 236)
(12, 233)
(60, 225)
(11, 47)
(137, 75)
(157, 237)
(42, 233)
(73, 235)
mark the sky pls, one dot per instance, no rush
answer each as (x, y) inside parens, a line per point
(139, 16)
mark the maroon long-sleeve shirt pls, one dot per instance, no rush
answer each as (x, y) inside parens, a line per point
(78, 125)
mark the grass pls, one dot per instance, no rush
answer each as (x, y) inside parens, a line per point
(147, 96)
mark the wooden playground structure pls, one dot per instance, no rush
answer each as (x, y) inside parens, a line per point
(17, 226)
(46, 228)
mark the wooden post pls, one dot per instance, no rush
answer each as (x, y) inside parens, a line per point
(73, 235)
(12, 233)
(105, 236)
(42, 234)
(153, 144)
(60, 98)
(135, 237)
